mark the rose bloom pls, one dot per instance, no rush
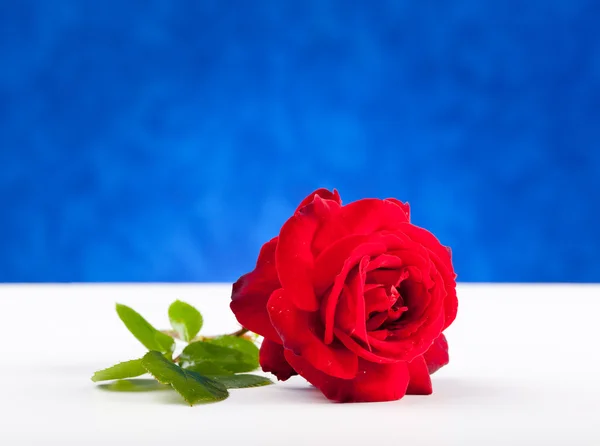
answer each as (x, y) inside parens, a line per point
(353, 298)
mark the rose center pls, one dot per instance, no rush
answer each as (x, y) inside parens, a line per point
(378, 320)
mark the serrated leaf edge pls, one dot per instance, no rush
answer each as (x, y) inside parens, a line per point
(115, 365)
(266, 382)
(183, 373)
(157, 333)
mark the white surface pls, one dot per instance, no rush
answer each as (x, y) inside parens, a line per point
(523, 371)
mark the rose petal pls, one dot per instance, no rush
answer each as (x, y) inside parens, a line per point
(325, 194)
(425, 307)
(369, 215)
(415, 256)
(419, 275)
(387, 277)
(450, 301)
(406, 348)
(294, 260)
(373, 382)
(294, 257)
(437, 355)
(420, 382)
(380, 335)
(362, 352)
(377, 300)
(350, 313)
(405, 206)
(450, 307)
(273, 360)
(394, 313)
(398, 350)
(443, 262)
(418, 300)
(331, 300)
(330, 262)
(449, 280)
(297, 330)
(385, 261)
(376, 320)
(395, 239)
(425, 238)
(362, 217)
(251, 293)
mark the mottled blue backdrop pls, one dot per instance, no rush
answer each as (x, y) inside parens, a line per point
(166, 140)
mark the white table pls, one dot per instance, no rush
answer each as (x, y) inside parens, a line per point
(524, 370)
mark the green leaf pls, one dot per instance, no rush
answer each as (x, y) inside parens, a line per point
(134, 385)
(128, 369)
(149, 336)
(246, 348)
(194, 388)
(237, 343)
(208, 369)
(185, 320)
(236, 360)
(242, 381)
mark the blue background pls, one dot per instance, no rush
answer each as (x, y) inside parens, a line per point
(167, 140)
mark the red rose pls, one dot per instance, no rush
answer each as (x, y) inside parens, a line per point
(354, 298)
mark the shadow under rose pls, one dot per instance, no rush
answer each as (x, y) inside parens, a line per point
(305, 393)
(293, 391)
(446, 391)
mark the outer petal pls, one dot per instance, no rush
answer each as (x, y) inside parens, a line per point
(295, 261)
(437, 355)
(370, 215)
(427, 239)
(251, 293)
(405, 206)
(362, 217)
(420, 383)
(294, 256)
(297, 331)
(449, 279)
(325, 194)
(440, 255)
(373, 382)
(273, 360)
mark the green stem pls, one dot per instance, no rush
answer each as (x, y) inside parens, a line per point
(241, 332)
